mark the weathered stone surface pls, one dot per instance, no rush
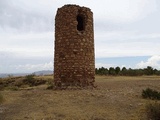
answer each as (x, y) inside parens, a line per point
(74, 45)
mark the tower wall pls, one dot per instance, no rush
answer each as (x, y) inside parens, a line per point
(74, 58)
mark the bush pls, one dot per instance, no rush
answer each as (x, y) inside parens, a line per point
(50, 85)
(29, 79)
(32, 81)
(12, 88)
(151, 94)
(1, 98)
(153, 111)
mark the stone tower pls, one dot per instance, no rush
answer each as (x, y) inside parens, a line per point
(74, 62)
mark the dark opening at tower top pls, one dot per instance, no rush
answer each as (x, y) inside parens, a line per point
(80, 25)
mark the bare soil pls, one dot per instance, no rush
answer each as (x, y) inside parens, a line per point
(115, 98)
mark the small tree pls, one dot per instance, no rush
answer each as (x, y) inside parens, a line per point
(112, 71)
(124, 71)
(117, 70)
(149, 70)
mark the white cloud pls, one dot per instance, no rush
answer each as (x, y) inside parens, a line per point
(28, 44)
(124, 10)
(27, 29)
(126, 43)
(34, 67)
(99, 65)
(118, 11)
(38, 15)
(24, 16)
(153, 61)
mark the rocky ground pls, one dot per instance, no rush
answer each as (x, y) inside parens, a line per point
(115, 98)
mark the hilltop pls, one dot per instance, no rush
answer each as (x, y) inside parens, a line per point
(115, 98)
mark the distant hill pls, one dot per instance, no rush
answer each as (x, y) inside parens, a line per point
(3, 75)
(43, 72)
(12, 74)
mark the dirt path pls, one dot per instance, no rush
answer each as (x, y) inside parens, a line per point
(116, 98)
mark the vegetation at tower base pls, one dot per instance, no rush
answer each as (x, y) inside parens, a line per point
(126, 72)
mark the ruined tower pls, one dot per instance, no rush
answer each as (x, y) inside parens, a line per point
(74, 62)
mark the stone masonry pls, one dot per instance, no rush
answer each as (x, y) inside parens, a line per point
(74, 62)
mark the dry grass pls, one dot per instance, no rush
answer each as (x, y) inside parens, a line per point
(116, 98)
(1, 98)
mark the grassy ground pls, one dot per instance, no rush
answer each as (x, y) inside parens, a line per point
(115, 98)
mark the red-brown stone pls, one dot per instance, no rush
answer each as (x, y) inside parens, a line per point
(74, 60)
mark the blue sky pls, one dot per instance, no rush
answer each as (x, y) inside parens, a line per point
(121, 61)
(127, 33)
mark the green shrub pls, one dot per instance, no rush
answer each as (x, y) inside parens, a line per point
(50, 85)
(1, 98)
(151, 94)
(32, 81)
(29, 79)
(153, 111)
(12, 88)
